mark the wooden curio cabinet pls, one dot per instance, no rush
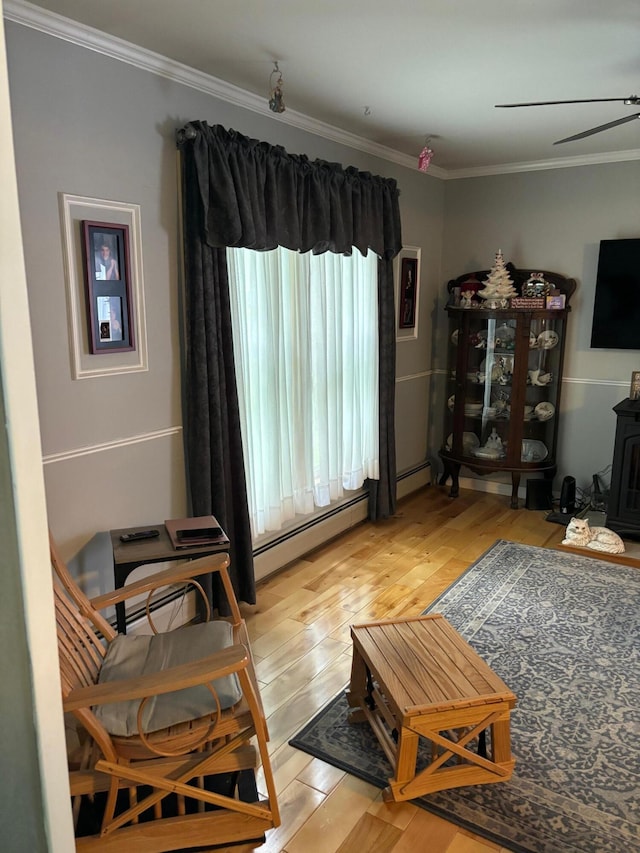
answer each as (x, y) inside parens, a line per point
(504, 377)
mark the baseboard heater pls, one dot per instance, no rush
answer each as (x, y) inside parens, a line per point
(294, 543)
(326, 525)
(301, 529)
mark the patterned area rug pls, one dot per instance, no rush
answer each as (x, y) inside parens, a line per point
(563, 632)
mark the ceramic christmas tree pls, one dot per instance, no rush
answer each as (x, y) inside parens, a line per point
(498, 288)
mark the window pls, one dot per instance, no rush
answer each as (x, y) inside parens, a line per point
(305, 332)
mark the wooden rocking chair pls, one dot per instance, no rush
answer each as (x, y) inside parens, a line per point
(169, 724)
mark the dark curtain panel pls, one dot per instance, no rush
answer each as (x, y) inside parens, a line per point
(215, 464)
(242, 192)
(382, 492)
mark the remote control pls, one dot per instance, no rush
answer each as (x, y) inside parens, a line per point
(141, 534)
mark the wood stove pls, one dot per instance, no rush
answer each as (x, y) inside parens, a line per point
(623, 511)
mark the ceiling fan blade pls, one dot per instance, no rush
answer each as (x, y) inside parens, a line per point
(598, 129)
(632, 99)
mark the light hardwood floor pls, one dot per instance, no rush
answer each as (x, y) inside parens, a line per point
(300, 638)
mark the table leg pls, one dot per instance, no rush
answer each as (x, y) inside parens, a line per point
(501, 741)
(406, 758)
(455, 482)
(515, 485)
(120, 575)
(451, 469)
(121, 619)
(357, 688)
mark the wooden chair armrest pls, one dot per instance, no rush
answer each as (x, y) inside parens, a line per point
(174, 574)
(225, 662)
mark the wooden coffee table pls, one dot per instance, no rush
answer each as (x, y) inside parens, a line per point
(417, 678)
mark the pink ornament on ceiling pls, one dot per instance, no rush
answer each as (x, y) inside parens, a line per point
(425, 157)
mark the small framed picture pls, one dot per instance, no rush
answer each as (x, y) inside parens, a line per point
(556, 301)
(408, 293)
(634, 393)
(108, 286)
(406, 287)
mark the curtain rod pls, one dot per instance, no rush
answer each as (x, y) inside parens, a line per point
(185, 133)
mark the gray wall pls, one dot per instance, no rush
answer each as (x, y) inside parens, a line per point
(89, 125)
(554, 220)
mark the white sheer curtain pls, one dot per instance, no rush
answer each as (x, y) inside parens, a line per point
(305, 333)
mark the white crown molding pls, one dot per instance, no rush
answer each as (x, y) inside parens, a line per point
(22, 12)
(541, 165)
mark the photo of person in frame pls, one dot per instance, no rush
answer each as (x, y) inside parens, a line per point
(115, 318)
(105, 255)
(110, 318)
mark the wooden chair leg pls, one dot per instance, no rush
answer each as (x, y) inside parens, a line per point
(133, 801)
(86, 760)
(110, 805)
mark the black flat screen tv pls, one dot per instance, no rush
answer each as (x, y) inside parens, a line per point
(616, 311)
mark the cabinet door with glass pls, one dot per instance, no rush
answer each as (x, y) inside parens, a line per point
(503, 391)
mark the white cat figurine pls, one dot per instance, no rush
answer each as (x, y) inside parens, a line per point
(578, 533)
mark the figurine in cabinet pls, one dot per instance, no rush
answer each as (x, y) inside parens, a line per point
(494, 442)
(536, 285)
(536, 377)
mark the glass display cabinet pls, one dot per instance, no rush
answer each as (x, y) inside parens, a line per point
(504, 377)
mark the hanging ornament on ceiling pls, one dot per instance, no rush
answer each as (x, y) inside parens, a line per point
(425, 156)
(276, 97)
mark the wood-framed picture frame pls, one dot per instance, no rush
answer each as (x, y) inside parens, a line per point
(634, 391)
(407, 292)
(108, 286)
(85, 364)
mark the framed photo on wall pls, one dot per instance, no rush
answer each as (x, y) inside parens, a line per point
(408, 293)
(108, 286)
(407, 289)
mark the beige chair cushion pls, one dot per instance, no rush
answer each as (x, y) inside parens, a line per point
(130, 656)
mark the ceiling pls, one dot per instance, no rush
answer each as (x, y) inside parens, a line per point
(397, 73)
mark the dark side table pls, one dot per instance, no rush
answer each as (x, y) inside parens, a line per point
(128, 556)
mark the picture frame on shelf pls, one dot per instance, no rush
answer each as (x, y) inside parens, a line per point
(407, 289)
(634, 391)
(556, 301)
(106, 261)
